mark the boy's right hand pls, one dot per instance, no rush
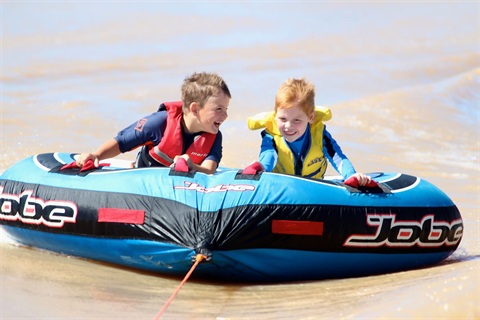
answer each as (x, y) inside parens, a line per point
(84, 157)
(254, 168)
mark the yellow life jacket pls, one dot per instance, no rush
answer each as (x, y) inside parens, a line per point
(314, 163)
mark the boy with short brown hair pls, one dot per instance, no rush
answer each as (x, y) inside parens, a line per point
(187, 129)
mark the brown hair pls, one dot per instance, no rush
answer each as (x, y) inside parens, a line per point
(296, 92)
(200, 86)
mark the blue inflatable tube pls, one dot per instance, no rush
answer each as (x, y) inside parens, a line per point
(262, 227)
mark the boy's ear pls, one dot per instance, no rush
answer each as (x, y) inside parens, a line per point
(194, 108)
(312, 117)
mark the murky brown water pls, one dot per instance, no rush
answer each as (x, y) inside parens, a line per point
(403, 81)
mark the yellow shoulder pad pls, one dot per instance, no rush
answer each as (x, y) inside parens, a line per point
(260, 120)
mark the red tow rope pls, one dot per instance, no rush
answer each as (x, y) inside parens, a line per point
(198, 259)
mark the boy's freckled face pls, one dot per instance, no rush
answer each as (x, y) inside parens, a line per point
(214, 112)
(292, 122)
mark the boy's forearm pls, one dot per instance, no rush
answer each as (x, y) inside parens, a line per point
(207, 166)
(109, 149)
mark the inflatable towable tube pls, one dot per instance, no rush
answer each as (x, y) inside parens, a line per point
(260, 227)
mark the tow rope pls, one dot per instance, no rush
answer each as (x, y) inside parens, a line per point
(199, 257)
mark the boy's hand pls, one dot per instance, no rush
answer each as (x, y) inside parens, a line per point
(254, 168)
(84, 157)
(360, 180)
(363, 180)
(186, 158)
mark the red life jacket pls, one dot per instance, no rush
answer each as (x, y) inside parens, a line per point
(171, 144)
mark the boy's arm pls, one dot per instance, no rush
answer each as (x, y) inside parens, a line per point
(335, 156)
(109, 149)
(210, 164)
(207, 166)
(268, 154)
(131, 137)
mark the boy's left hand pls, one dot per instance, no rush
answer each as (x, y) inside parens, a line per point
(363, 180)
(360, 180)
(187, 159)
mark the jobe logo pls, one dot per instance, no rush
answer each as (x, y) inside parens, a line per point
(393, 233)
(31, 210)
(219, 188)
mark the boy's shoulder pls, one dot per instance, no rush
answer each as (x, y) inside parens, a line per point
(154, 120)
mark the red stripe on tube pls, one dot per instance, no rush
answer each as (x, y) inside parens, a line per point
(121, 215)
(293, 227)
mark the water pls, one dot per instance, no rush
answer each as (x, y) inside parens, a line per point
(403, 82)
